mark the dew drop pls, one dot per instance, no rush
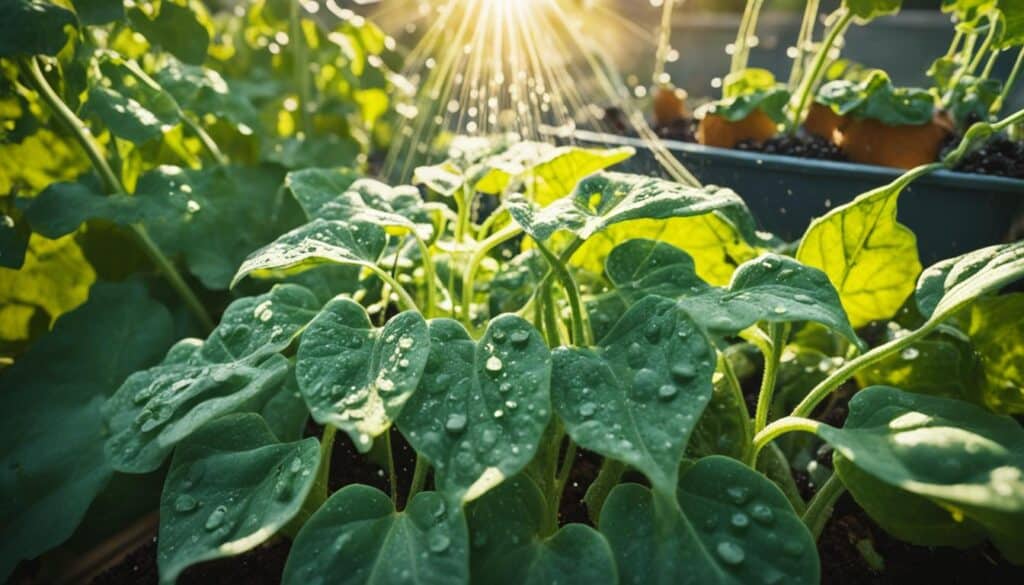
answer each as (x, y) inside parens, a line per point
(405, 342)
(493, 364)
(683, 372)
(801, 298)
(910, 354)
(762, 514)
(780, 310)
(185, 503)
(740, 520)
(520, 338)
(730, 552)
(739, 495)
(216, 518)
(668, 392)
(439, 542)
(588, 409)
(456, 423)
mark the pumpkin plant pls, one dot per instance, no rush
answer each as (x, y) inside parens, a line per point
(591, 314)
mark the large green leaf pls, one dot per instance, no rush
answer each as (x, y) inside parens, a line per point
(870, 257)
(509, 547)
(176, 29)
(397, 208)
(99, 11)
(874, 97)
(51, 442)
(128, 118)
(234, 369)
(771, 288)
(33, 27)
(357, 538)
(356, 377)
(482, 407)
(950, 285)
(315, 188)
(321, 241)
(547, 172)
(714, 225)
(184, 211)
(204, 91)
(727, 525)
(231, 486)
(998, 338)
(637, 397)
(957, 455)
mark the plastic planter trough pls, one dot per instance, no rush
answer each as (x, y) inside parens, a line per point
(951, 213)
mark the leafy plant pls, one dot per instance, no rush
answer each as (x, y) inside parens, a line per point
(591, 313)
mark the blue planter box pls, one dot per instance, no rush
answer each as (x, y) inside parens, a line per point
(951, 213)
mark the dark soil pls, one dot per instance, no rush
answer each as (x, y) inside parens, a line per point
(798, 145)
(999, 157)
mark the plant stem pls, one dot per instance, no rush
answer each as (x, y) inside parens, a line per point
(748, 25)
(664, 40)
(804, 43)
(813, 76)
(112, 185)
(300, 56)
(732, 382)
(993, 28)
(777, 333)
(789, 424)
(429, 275)
(1018, 65)
(419, 478)
(819, 509)
(547, 307)
(469, 275)
(392, 474)
(562, 478)
(404, 298)
(610, 475)
(954, 44)
(580, 330)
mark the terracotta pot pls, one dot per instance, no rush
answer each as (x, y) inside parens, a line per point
(903, 147)
(822, 121)
(714, 130)
(669, 106)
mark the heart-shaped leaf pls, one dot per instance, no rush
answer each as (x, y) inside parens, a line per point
(870, 257)
(358, 538)
(950, 285)
(237, 366)
(714, 225)
(957, 455)
(482, 407)
(285, 411)
(356, 377)
(637, 397)
(33, 27)
(397, 208)
(315, 188)
(231, 486)
(355, 243)
(508, 546)
(771, 288)
(727, 525)
(50, 471)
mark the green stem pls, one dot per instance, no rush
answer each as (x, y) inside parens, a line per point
(112, 185)
(1018, 66)
(610, 475)
(547, 307)
(419, 478)
(404, 298)
(664, 40)
(954, 44)
(748, 25)
(300, 56)
(429, 275)
(562, 478)
(813, 76)
(804, 43)
(392, 474)
(733, 384)
(993, 29)
(482, 251)
(819, 509)
(789, 424)
(777, 334)
(580, 335)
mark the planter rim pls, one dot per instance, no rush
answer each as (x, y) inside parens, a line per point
(808, 166)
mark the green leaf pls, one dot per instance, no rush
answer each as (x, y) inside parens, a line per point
(356, 377)
(204, 91)
(355, 243)
(950, 285)
(92, 12)
(874, 97)
(33, 27)
(14, 236)
(906, 516)
(508, 546)
(995, 331)
(1013, 13)
(547, 172)
(285, 411)
(728, 524)
(51, 443)
(176, 29)
(771, 288)
(184, 211)
(482, 407)
(237, 366)
(957, 455)
(867, 10)
(749, 90)
(127, 118)
(637, 396)
(398, 209)
(315, 188)
(867, 254)
(358, 538)
(231, 487)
